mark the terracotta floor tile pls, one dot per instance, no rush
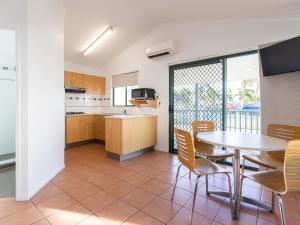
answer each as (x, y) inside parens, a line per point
(139, 198)
(70, 215)
(167, 177)
(124, 211)
(98, 201)
(42, 222)
(155, 187)
(92, 220)
(55, 204)
(119, 189)
(266, 222)
(180, 197)
(63, 176)
(224, 217)
(183, 218)
(71, 183)
(83, 192)
(137, 180)
(186, 184)
(24, 217)
(207, 207)
(150, 172)
(9, 206)
(105, 181)
(161, 209)
(49, 191)
(141, 218)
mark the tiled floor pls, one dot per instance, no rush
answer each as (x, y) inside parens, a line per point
(7, 182)
(94, 190)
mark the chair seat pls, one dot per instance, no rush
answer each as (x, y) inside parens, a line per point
(271, 160)
(206, 167)
(214, 153)
(273, 180)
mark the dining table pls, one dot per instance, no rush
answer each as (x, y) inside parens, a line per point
(241, 141)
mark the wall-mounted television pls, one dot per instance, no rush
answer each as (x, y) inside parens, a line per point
(280, 58)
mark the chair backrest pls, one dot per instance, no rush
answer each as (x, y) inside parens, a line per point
(201, 126)
(285, 132)
(292, 166)
(186, 150)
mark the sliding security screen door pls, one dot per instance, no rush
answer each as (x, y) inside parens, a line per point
(196, 93)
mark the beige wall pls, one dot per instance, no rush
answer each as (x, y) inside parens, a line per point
(280, 99)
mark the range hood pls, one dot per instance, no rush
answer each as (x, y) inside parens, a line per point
(74, 90)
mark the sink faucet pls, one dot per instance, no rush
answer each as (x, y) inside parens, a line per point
(125, 112)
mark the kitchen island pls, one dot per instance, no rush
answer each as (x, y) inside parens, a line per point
(127, 136)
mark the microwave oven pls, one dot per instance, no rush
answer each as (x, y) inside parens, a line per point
(143, 93)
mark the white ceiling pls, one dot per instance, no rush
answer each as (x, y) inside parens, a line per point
(132, 19)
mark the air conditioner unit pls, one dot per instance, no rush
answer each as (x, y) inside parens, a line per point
(164, 48)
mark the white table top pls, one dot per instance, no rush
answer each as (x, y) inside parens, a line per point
(242, 141)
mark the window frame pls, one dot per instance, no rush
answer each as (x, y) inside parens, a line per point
(126, 98)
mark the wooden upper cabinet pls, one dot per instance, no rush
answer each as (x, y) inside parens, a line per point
(94, 85)
(78, 80)
(68, 79)
(100, 85)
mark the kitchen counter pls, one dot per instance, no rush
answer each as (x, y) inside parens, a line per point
(94, 114)
(128, 136)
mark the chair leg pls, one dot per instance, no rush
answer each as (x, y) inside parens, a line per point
(230, 193)
(273, 202)
(194, 200)
(178, 169)
(206, 184)
(281, 208)
(243, 166)
(239, 198)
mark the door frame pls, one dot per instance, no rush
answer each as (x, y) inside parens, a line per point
(172, 68)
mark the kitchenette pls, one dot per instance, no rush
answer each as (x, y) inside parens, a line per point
(91, 118)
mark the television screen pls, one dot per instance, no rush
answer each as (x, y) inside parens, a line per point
(280, 58)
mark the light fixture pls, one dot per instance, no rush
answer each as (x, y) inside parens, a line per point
(99, 39)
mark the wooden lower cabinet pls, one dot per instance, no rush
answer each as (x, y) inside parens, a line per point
(100, 128)
(84, 127)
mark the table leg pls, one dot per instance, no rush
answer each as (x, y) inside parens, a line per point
(237, 188)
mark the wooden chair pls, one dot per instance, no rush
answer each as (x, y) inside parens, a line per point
(200, 167)
(206, 150)
(273, 160)
(281, 180)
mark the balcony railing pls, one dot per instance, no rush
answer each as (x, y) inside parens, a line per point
(247, 121)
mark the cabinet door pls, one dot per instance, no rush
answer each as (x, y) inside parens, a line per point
(87, 128)
(89, 84)
(100, 85)
(78, 80)
(100, 128)
(72, 129)
(69, 81)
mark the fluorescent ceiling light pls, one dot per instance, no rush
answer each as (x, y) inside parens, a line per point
(99, 39)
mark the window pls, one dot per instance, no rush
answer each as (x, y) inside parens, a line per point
(121, 88)
(122, 95)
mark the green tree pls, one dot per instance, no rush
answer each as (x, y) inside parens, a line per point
(244, 94)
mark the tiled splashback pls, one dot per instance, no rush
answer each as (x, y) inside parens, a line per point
(99, 104)
(85, 103)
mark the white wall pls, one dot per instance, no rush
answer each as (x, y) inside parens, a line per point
(196, 41)
(45, 91)
(40, 94)
(280, 99)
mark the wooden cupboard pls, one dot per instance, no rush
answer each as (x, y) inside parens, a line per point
(92, 84)
(100, 128)
(73, 129)
(84, 127)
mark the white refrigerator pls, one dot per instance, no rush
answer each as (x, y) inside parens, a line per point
(7, 114)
